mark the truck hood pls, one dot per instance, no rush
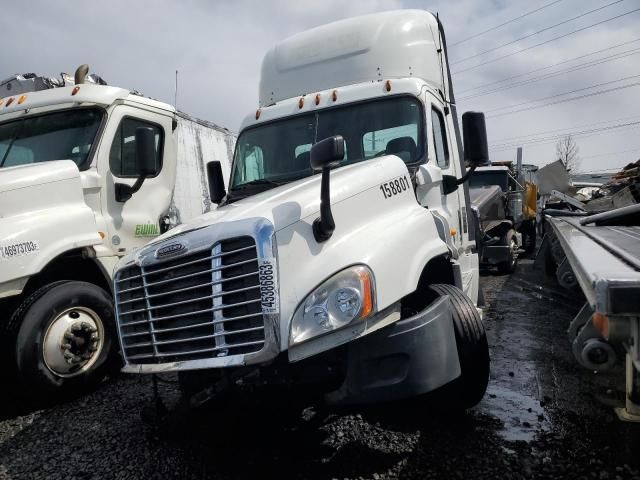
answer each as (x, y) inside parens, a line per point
(24, 176)
(287, 204)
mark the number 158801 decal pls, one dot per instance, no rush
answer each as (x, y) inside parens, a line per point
(395, 186)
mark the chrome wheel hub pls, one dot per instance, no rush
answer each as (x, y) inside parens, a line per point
(73, 342)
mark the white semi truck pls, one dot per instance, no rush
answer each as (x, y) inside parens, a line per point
(88, 174)
(341, 254)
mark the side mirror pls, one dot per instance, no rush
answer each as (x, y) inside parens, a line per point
(474, 132)
(216, 181)
(145, 163)
(325, 155)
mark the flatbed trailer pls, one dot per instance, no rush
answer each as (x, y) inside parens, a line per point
(604, 261)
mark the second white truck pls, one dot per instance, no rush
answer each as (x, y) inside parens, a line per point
(88, 173)
(341, 255)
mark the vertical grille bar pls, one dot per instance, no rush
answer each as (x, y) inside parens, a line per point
(217, 299)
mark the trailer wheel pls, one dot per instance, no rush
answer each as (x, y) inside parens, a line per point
(510, 240)
(473, 351)
(61, 340)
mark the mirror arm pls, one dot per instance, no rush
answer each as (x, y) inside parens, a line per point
(450, 183)
(124, 192)
(324, 225)
(466, 176)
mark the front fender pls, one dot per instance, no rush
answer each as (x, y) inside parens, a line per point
(393, 235)
(47, 221)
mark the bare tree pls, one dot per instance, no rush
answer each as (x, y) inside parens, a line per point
(567, 152)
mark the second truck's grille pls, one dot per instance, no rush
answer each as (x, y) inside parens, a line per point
(201, 305)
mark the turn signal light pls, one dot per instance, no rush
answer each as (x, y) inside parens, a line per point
(367, 300)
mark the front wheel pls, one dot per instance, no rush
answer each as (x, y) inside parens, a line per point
(473, 350)
(62, 340)
(510, 240)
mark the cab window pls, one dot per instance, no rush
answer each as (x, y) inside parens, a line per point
(440, 139)
(122, 157)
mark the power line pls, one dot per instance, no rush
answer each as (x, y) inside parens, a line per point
(566, 131)
(554, 138)
(503, 24)
(561, 94)
(637, 149)
(536, 32)
(575, 68)
(586, 95)
(548, 66)
(487, 62)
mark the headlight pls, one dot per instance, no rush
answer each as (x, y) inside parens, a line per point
(347, 297)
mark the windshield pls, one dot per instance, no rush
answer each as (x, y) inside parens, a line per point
(61, 135)
(279, 151)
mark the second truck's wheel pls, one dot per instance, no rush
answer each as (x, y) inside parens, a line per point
(529, 237)
(510, 240)
(473, 350)
(62, 340)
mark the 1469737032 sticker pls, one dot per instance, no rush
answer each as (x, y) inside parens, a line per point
(268, 285)
(20, 249)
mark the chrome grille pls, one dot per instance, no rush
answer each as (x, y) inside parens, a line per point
(199, 305)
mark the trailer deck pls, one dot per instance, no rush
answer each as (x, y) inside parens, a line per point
(606, 262)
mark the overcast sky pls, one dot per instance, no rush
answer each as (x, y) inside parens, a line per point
(218, 47)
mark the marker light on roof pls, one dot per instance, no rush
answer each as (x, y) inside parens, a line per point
(334, 95)
(9, 102)
(257, 114)
(387, 85)
(75, 90)
(317, 99)
(22, 99)
(301, 102)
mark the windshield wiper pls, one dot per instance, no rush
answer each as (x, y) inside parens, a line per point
(257, 183)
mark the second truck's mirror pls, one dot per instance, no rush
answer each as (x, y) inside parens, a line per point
(474, 132)
(325, 155)
(145, 163)
(216, 181)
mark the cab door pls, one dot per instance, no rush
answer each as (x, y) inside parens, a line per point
(133, 223)
(442, 160)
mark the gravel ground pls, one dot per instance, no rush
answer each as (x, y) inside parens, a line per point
(543, 417)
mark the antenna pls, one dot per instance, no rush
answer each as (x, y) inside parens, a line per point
(175, 95)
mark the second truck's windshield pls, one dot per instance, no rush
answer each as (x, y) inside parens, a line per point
(279, 151)
(61, 135)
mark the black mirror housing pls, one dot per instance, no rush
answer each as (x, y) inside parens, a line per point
(216, 181)
(145, 163)
(327, 153)
(474, 132)
(145, 151)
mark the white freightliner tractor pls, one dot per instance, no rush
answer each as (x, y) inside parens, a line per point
(341, 254)
(88, 174)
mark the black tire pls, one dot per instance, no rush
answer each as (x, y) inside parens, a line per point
(509, 240)
(473, 351)
(24, 336)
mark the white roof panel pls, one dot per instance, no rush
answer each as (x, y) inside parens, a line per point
(380, 46)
